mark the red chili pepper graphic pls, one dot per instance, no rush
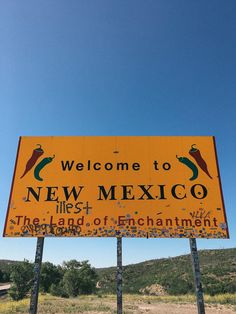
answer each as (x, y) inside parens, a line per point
(37, 152)
(195, 153)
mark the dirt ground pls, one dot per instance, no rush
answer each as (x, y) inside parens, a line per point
(166, 308)
(107, 305)
(131, 305)
(163, 308)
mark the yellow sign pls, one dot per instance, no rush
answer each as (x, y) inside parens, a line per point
(113, 186)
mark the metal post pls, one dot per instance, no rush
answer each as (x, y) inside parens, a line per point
(119, 275)
(37, 269)
(197, 276)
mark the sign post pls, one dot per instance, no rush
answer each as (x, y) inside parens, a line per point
(37, 269)
(197, 276)
(119, 275)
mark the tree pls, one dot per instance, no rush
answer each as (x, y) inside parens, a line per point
(71, 281)
(5, 276)
(1, 275)
(21, 276)
(79, 278)
(88, 278)
(72, 264)
(58, 290)
(50, 274)
(5, 272)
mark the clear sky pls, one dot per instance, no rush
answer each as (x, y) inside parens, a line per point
(105, 67)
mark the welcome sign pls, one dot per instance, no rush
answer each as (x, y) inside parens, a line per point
(116, 186)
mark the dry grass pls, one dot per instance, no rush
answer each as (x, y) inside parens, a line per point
(133, 304)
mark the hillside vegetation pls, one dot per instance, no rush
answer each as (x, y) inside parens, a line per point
(172, 276)
(175, 275)
(5, 270)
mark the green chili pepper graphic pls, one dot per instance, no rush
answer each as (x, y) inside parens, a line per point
(40, 166)
(187, 162)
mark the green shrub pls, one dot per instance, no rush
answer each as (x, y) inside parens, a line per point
(58, 290)
(22, 278)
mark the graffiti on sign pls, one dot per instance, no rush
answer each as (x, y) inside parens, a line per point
(116, 186)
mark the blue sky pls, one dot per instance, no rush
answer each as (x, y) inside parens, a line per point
(117, 68)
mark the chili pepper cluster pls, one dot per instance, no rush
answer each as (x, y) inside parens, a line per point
(36, 154)
(196, 154)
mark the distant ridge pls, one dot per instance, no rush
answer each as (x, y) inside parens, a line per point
(174, 274)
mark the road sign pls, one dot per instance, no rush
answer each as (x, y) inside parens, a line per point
(130, 186)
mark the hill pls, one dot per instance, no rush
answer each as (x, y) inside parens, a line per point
(174, 275)
(5, 264)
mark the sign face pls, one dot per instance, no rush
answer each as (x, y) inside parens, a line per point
(113, 186)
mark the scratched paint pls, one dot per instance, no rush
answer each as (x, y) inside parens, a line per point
(132, 187)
